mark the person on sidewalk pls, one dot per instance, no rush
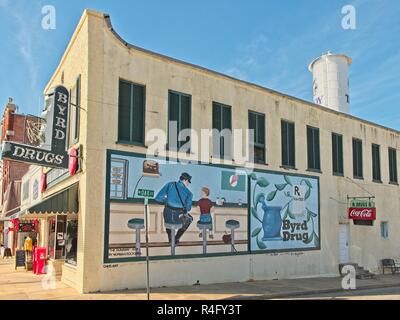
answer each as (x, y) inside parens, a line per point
(177, 199)
(206, 206)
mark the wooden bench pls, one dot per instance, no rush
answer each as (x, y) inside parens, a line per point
(389, 263)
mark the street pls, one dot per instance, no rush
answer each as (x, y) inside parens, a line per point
(372, 294)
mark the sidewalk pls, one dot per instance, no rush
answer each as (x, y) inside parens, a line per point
(19, 284)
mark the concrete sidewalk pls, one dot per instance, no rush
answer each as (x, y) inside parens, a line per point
(19, 284)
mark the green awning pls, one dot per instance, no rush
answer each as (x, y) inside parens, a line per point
(63, 202)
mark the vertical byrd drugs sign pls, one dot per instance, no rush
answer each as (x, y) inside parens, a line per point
(52, 151)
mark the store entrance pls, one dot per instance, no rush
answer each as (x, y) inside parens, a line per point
(56, 236)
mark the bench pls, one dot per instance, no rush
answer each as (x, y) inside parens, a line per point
(389, 263)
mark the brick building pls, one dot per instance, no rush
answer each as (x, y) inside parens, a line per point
(19, 128)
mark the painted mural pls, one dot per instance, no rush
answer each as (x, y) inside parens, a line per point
(244, 212)
(284, 212)
(133, 177)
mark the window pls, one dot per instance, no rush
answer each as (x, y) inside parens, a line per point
(75, 102)
(376, 163)
(131, 110)
(337, 154)
(384, 230)
(257, 123)
(357, 159)
(71, 242)
(25, 190)
(392, 165)
(222, 122)
(313, 155)
(179, 112)
(288, 146)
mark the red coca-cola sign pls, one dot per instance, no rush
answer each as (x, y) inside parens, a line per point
(362, 213)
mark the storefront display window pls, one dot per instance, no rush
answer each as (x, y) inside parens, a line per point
(56, 244)
(71, 241)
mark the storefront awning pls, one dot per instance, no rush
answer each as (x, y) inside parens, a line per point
(64, 202)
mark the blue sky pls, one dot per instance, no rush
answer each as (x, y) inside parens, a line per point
(267, 42)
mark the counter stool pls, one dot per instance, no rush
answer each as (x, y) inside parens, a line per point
(174, 227)
(203, 227)
(232, 225)
(137, 224)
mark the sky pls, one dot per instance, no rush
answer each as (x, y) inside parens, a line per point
(268, 42)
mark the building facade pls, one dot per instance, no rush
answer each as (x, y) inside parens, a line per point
(329, 156)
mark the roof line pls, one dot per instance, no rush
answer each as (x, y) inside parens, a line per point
(153, 53)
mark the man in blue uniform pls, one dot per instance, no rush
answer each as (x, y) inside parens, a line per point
(177, 199)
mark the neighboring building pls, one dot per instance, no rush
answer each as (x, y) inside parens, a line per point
(19, 128)
(292, 211)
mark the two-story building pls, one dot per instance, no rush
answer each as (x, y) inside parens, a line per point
(289, 215)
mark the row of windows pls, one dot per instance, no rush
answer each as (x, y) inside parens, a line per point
(131, 130)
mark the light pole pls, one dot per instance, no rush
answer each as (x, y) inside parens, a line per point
(150, 169)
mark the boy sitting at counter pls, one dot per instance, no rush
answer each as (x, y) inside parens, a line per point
(206, 206)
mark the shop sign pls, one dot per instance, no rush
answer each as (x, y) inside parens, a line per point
(26, 227)
(362, 213)
(56, 130)
(362, 203)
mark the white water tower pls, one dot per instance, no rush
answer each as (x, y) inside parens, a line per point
(331, 81)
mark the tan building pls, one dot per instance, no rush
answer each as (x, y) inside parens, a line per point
(126, 91)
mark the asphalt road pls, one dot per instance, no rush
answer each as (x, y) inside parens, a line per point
(372, 294)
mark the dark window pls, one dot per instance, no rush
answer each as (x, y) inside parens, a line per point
(75, 102)
(337, 154)
(179, 114)
(76, 110)
(376, 163)
(257, 123)
(131, 110)
(313, 155)
(222, 122)
(392, 165)
(288, 144)
(357, 159)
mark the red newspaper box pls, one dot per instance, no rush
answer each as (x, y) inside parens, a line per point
(40, 260)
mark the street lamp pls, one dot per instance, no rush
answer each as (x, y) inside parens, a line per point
(150, 168)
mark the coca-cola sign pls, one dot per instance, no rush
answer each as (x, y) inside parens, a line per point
(362, 213)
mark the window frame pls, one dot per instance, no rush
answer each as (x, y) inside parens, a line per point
(392, 152)
(257, 144)
(339, 157)
(180, 94)
(356, 157)
(384, 226)
(313, 164)
(221, 154)
(132, 141)
(288, 156)
(376, 166)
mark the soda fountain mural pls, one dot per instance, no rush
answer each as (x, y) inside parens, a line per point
(224, 208)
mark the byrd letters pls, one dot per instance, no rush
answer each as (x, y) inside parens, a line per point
(57, 155)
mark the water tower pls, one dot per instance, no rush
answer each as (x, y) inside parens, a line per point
(331, 81)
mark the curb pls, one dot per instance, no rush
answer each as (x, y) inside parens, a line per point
(313, 292)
